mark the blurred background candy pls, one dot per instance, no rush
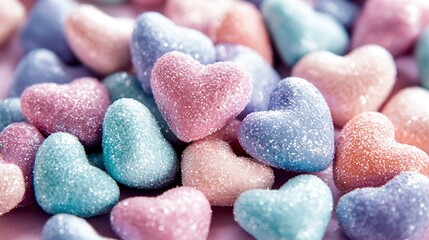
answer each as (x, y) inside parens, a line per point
(12, 14)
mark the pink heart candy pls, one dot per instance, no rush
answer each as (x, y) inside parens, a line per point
(229, 134)
(12, 14)
(179, 213)
(77, 108)
(19, 143)
(12, 187)
(212, 167)
(99, 41)
(353, 84)
(197, 100)
(409, 112)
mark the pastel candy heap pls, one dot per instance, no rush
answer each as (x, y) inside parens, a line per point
(12, 187)
(10, 112)
(12, 13)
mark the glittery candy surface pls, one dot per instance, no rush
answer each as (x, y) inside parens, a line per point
(135, 152)
(154, 35)
(19, 143)
(77, 108)
(357, 83)
(264, 77)
(300, 209)
(43, 66)
(398, 210)
(65, 182)
(10, 112)
(181, 213)
(12, 13)
(297, 132)
(298, 30)
(212, 167)
(12, 187)
(368, 156)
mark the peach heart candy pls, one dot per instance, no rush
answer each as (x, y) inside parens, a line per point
(353, 84)
(178, 214)
(77, 108)
(12, 13)
(368, 156)
(12, 187)
(409, 112)
(197, 100)
(212, 167)
(99, 41)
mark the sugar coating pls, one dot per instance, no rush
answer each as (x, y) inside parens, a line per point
(124, 85)
(398, 210)
(345, 11)
(263, 75)
(197, 100)
(44, 28)
(96, 159)
(422, 57)
(12, 187)
(99, 40)
(19, 143)
(356, 83)
(297, 132)
(300, 209)
(409, 113)
(65, 182)
(368, 156)
(12, 13)
(77, 108)
(154, 35)
(298, 30)
(181, 213)
(68, 227)
(43, 66)
(135, 152)
(229, 134)
(10, 112)
(212, 167)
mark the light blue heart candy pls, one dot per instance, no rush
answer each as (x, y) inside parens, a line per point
(296, 134)
(422, 57)
(10, 112)
(154, 35)
(300, 209)
(65, 182)
(298, 30)
(135, 152)
(345, 11)
(69, 227)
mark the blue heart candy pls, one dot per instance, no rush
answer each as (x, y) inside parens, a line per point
(65, 182)
(298, 30)
(397, 210)
(422, 57)
(68, 227)
(44, 28)
(10, 112)
(154, 35)
(297, 133)
(135, 152)
(300, 209)
(264, 77)
(345, 11)
(42, 66)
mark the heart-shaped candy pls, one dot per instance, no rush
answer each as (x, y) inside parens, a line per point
(181, 213)
(212, 167)
(298, 30)
(197, 100)
(297, 132)
(229, 134)
(65, 182)
(43, 66)
(77, 108)
(10, 112)
(398, 210)
(154, 35)
(12, 13)
(345, 11)
(356, 83)
(66, 227)
(409, 113)
(368, 156)
(19, 143)
(135, 152)
(300, 209)
(45, 28)
(12, 187)
(99, 41)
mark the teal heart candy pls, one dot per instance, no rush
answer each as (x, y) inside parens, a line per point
(65, 182)
(422, 57)
(300, 209)
(298, 30)
(135, 152)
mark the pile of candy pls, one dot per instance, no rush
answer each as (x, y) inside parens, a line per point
(184, 101)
